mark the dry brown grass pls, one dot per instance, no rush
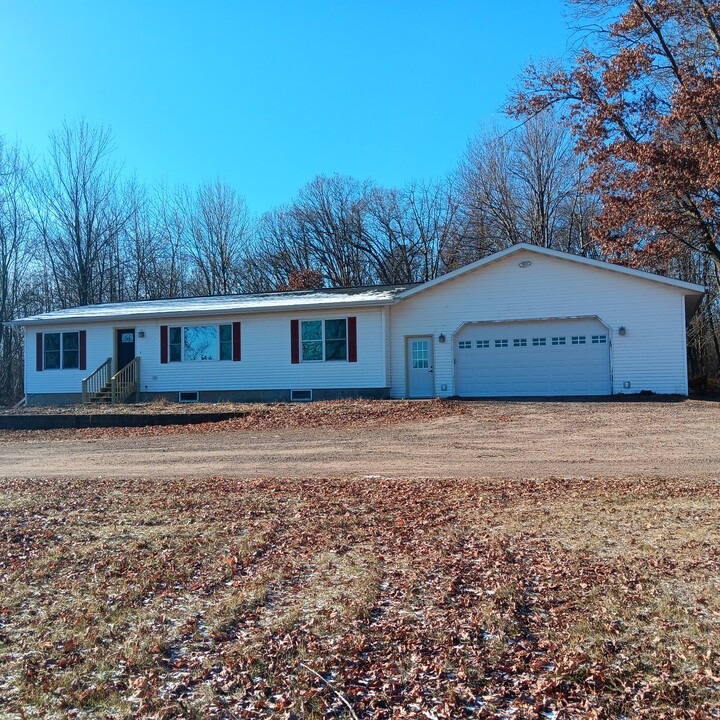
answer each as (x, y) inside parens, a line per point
(410, 597)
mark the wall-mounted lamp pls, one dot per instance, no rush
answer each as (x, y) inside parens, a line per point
(441, 338)
(525, 263)
(622, 330)
(141, 333)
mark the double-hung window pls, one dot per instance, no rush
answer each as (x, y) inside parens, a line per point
(323, 340)
(61, 351)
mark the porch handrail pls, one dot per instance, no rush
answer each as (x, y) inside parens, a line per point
(125, 382)
(94, 383)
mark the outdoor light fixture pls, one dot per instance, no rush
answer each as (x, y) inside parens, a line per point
(441, 338)
(622, 330)
(525, 263)
(141, 333)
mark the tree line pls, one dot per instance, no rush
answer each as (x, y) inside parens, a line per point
(616, 156)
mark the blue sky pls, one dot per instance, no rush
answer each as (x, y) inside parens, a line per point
(266, 95)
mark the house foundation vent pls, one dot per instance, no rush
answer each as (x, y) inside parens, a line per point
(189, 396)
(300, 395)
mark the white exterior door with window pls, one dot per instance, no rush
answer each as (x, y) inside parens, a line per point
(420, 378)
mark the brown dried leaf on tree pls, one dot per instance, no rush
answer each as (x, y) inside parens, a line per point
(642, 94)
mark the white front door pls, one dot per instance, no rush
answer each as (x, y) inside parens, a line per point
(420, 382)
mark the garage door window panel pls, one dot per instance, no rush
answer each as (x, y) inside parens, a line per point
(501, 343)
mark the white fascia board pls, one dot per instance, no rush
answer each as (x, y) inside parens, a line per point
(177, 313)
(691, 287)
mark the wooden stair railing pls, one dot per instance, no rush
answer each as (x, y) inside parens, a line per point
(126, 382)
(94, 384)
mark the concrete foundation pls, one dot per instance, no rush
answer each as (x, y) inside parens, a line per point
(213, 396)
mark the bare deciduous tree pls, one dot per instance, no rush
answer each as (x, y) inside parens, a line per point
(15, 256)
(218, 227)
(526, 185)
(77, 211)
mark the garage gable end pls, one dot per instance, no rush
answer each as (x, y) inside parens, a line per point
(638, 324)
(530, 250)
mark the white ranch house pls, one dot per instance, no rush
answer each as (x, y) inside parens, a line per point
(525, 321)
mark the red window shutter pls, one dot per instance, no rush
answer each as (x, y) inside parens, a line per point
(163, 344)
(295, 341)
(83, 349)
(39, 351)
(236, 341)
(352, 339)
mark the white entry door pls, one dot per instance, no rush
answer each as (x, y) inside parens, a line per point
(420, 379)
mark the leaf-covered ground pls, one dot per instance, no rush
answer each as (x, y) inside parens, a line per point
(360, 598)
(154, 407)
(276, 416)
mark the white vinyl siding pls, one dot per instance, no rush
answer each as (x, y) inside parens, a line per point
(266, 361)
(650, 356)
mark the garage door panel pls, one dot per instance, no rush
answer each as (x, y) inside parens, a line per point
(541, 358)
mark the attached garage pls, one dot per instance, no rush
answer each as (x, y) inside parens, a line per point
(531, 321)
(535, 358)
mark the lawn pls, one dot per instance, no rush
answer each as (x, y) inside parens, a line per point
(361, 597)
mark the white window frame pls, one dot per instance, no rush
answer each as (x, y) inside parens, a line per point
(323, 340)
(61, 365)
(182, 329)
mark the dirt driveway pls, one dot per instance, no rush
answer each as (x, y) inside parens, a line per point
(494, 439)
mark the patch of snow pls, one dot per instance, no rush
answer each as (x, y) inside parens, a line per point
(262, 302)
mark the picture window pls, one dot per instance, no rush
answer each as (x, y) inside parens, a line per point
(200, 343)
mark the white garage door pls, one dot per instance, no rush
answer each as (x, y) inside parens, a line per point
(546, 357)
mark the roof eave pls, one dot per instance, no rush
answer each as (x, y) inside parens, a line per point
(75, 320)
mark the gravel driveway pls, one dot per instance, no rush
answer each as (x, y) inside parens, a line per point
(494, 439)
